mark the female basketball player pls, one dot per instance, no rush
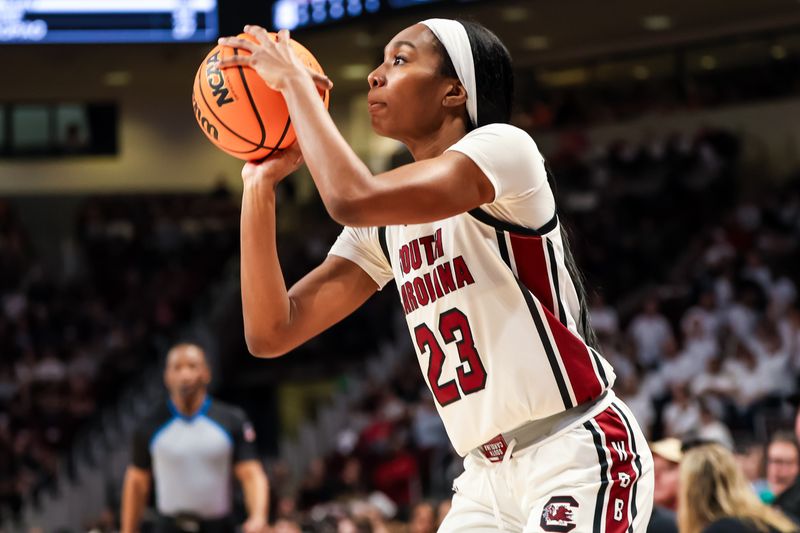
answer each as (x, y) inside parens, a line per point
(469, 233)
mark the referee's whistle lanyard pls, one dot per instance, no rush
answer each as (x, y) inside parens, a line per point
(494, 471)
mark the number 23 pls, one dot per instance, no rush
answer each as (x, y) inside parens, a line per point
(472, 380)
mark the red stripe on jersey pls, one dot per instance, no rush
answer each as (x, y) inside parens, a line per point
(529, 257)
(532, 267)
(622, 475)
(577, 361)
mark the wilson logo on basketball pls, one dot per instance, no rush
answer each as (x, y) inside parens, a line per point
(211, 129)
(216, 81)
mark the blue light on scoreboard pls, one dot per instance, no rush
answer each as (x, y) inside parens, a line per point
(107, 21)
(291, 14)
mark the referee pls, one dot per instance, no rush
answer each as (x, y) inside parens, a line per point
(189, 447)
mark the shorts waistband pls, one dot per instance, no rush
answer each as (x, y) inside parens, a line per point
(537, 431)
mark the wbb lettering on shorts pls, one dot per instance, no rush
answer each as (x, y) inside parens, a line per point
(216, 80)
(442, 279)
(211, 129)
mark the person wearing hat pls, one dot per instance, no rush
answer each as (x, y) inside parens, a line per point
(667, 456)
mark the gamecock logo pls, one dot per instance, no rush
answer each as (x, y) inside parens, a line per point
(557, 514)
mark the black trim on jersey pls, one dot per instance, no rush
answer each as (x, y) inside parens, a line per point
(548, 348)
(489, 220)
(501, 243)
(562, 316)
(384, 246)
(600, 369)
(637, 462)
(601, 493)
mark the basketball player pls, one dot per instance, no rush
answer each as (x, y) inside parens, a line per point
(469, 233)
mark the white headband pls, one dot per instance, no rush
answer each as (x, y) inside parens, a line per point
(453, 36)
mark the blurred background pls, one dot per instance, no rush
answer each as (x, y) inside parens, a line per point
(673, 130)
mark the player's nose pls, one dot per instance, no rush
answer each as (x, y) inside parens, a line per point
(376, 78)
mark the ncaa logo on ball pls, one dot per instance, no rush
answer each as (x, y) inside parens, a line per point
(557, 514)
(216, 80)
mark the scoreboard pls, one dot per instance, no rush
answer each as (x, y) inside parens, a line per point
(291, 14)
(107, 21)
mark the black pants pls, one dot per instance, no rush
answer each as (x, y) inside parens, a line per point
(169, 524)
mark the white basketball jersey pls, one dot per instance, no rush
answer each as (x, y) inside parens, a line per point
(490, 306)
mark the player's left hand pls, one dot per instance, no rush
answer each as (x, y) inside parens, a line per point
(273, 59)
(254, 524)
(274, 168)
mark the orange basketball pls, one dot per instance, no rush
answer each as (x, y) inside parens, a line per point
(236, 109)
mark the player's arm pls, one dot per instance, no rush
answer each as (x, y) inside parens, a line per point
(134, 498)
(276, 320)
(423, 191)
(255, 487)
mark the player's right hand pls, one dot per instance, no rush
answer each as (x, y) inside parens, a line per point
(274, 168)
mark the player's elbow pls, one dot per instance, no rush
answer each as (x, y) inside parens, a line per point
(264, 346)
(347, 210)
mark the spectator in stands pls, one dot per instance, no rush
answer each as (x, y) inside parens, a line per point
(190, 447)
(789, 500)
(711, 429)
(650, 331)
(783, 464)
(750, 455)
(666, 459)
(442, 510)
(715, 497)
(423, 518)
(682, 414)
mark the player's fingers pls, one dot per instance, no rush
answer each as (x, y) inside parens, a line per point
(235, 61)
(238, 42)
(321, 81)
(283, 36)
(259, 33)
(294, 153)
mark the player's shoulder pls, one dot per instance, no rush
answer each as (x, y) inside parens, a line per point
(506, 132)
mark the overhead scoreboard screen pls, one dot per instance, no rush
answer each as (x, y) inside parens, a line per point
(291, 14)
(107, 21)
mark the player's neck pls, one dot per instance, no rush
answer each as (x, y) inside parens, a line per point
(434, 143)
(189, 405)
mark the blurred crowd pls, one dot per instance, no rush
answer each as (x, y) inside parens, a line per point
(72, 332)
(598, 103)
(619, 201)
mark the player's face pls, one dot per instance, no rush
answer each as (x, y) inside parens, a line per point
(406, 90)
(187, 373)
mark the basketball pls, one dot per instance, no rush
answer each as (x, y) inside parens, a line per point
(236, 109)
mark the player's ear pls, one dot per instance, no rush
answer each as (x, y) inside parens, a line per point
(456, 95)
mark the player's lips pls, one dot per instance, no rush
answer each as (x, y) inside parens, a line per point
(375, 105)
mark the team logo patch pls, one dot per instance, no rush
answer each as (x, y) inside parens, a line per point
(557, 514)
(249, 432)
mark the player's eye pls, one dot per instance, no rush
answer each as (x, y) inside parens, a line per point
(398, 60)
